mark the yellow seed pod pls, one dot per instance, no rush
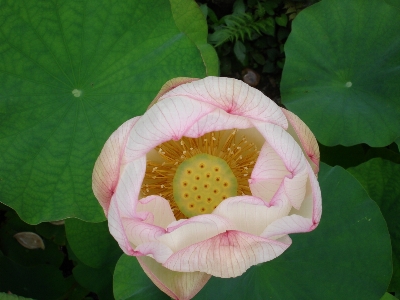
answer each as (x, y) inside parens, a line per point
(201, 183)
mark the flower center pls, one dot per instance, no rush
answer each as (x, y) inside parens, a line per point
(166, 166)
(201, 183)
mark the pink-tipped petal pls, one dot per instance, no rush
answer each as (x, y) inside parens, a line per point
(117, 228)
(295, 188)
(228, 254)
(267, 174)
(194, 230)
(156, 250)
(177, 285)
(128, 189)
(265, 189)
(159, 208)
(218, 120)
(233, 96)
(316, 196)
(287, 225)
(251, 214)
(107, 167)
(305, 138)
(139, 232)
(293, 158)
(166, 120)
(306, 209)
(170, 85)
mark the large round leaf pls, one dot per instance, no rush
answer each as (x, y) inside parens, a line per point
(92, 243)
(381, 179)
(71, 72)
(130, 282)
(40, 282)
(341, 74)
(348, 256)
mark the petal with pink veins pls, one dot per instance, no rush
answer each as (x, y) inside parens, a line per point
(218, 120)
(128, 189)
(166, 120)
(177, 285)
(156, 250)
(265, 189)
(194, 230)
(228, 254)
(170, 85)
(107, 167)
(303, 135)
(139, 232)
(117, 228)
(267, 174)
(159, 208)
(316, 196)
(250, 214)
(293, 158)
(287, 225)
(233, 96)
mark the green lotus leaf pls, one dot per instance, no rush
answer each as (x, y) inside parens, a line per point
(341, 74)
(381, 180)
(92, 243)
(4, 296)
(348, 256)
(95, 280)
(388, 296)
(40, 282)
(328, 263)
(131, 283)
(71, 72)
(10, 247)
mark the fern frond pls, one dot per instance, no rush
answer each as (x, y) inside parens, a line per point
(240, 26)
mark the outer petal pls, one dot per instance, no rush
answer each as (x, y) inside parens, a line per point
(299, 130)
(107, 167)
(250, 214)
(289, 224)
(124, 201)
(117, 228)
(233, 96)
(177, 285)
(296, 223)
(128, 189)
(293, 158)
(218, 120)
(228, 254)
(317, 199)
(199, 228)
(169, 85)
(166, 120)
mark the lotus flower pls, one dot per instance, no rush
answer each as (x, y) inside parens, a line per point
(209, 181)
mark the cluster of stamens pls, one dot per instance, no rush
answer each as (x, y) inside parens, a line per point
(160, 173)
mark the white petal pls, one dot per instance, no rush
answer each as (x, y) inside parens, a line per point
(228, 254)
(193, 230)
(166, 120)
(177, 285)
(251, 214)
(233, 96)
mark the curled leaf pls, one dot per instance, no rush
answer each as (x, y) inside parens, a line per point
(29, 240)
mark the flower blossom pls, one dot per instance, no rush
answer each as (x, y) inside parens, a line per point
(208, 182)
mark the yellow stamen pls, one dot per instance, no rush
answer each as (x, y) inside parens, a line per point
(240, 158)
